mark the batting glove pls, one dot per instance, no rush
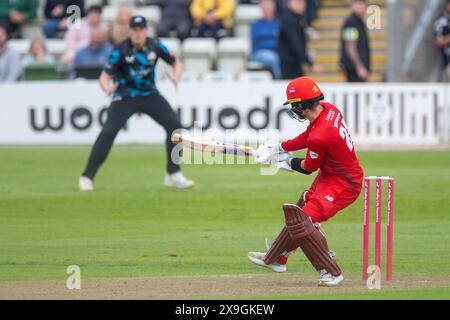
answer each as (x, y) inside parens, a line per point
(267, 151)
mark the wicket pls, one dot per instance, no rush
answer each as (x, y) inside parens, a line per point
(389, 224)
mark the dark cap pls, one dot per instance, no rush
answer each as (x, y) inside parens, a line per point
(138, 21)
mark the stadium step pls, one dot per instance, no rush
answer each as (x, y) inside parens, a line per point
(330, 68)
(333, 45)
(334, 58)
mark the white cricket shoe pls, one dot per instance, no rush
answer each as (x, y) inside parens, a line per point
(177, 180)
(328, 280)
(258, 259)
(85, 184)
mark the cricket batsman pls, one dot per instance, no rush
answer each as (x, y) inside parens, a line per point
(338, 183)
(129, 77)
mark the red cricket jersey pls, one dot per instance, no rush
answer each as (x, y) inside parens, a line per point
(330, 147)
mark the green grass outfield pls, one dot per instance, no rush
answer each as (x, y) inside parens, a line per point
(132, 227)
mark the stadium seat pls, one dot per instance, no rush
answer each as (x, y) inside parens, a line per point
(45, 71)
(119, 2)
(109, 13)
(217, 76)
(88, 72)
(88, 3)
(32, 30)
(174, 45)
(198, 54)
(151, 13)
(55, 46)
(255, 76)
(189, 77)
(233, 54)
(244, 16)
(21, 46)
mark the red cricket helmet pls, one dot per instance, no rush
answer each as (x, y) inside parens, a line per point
(302, 93)
(303, 89)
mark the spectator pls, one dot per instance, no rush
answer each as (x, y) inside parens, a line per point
(292, 43)
(119, 29)
(264, 35)
(56, 16)
(175, 17)
(442, 39)
(10, 67)
(79, 37)
(355, 50)
(212, 17)
(37, 54)
(13, 13)
(96, 53)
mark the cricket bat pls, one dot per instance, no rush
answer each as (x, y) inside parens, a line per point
(212, 146)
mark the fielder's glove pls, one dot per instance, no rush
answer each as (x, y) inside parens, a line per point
(267, 151)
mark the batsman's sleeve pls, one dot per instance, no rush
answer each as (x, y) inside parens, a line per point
(164, 53)
(298, 143)
(112, 65)
(315, 154)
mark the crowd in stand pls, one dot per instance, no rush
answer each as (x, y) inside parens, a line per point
(280, 33)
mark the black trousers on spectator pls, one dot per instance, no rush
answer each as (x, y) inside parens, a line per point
(352, 75)
(181, 26)
(291, 71)
(156, 106)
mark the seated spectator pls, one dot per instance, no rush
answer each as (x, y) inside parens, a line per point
(442, 41)
(119, 28)
(10, 67)
(264, 35)
(37, 54)
(175, 17)
(56, 16)
(79, 37)
(212, 17)
(96, 53)
(15, 13)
